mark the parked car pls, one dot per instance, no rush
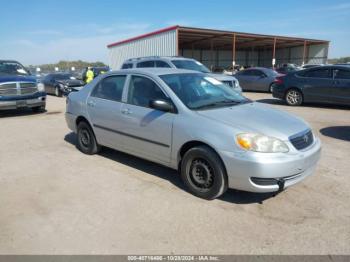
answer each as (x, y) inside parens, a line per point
(191, 122)
(19, 89)
(60, 84)
(180, 63)
(256, 78)
(324, 84)
(310, 66)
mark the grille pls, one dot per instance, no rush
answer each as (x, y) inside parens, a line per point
(302, 140)
(28, 88)
(10, 89)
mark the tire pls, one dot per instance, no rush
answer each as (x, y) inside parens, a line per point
(87, 143)
(294, 97)
(38, 109)
(58, 92)
(203, 173)
(270, 88)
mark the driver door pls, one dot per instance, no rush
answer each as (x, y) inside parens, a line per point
(148, 132)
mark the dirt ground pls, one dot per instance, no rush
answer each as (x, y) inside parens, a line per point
(56, 200)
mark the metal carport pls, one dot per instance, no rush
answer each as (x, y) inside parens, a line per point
(220, 49)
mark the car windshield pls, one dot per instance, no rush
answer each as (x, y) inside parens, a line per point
(190, 65)
(12, 68)
(198, 91)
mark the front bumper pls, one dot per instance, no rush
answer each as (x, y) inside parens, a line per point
(26, 101)
(261, 173)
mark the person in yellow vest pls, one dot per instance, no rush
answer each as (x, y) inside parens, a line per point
(89, 75)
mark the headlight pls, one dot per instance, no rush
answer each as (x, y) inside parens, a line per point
(261, 143)
(41, 87)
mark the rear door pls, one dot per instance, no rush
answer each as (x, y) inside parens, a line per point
(341, 86)
(258, 80)
(148, 132)
(104, 108)
(317, 84)
(243, 78)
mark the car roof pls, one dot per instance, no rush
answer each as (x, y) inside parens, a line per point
(146, 58)
(153, 71)
(9, 61)
(259, 68)
(331, 67)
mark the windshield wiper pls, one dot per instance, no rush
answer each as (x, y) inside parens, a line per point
(219, 103)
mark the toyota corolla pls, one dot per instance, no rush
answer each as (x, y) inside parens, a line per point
(214, 137)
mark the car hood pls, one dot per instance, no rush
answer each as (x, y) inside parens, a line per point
(16, 78)
(71, 82)
(222, 77)
(258, 118)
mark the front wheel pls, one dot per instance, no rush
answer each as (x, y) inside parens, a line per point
(204, 173)
(86, 139)
(58, 91)
(294, 97)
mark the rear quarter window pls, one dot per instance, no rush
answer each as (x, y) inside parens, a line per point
(127, 66)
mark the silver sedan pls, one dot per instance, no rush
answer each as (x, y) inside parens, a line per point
(257, 79)
(215, 138)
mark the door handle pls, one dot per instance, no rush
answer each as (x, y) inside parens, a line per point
(91, 103)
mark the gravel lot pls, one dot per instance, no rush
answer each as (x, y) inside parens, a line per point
(56, 200)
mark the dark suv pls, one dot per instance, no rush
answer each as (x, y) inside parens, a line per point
(323, 84)
(19, 89)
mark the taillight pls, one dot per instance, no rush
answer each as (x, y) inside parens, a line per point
(279, 80)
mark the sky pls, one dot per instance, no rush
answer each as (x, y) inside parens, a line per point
(37, 32)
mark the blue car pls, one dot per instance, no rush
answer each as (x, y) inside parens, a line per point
(19, 89)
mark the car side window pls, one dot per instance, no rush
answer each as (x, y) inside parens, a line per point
(162, 64)
(110, 88)
(246, 73)
(318, 73)
(341, 74)
(143, 90)
(256, 73)
(145, 64)
(126, 66)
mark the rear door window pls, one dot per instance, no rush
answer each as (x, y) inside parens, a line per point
(110, 88)
(162, 64)
(146, 64)
(256, 73)
(318, 73)
(244, 73)
(342, 74)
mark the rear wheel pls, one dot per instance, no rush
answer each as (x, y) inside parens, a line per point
(270, 88)
(86, 139)
(294, 97)
(204, 173)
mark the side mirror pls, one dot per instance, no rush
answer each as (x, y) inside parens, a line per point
(161, 105)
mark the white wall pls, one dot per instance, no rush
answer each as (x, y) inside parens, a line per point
(163, 44)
